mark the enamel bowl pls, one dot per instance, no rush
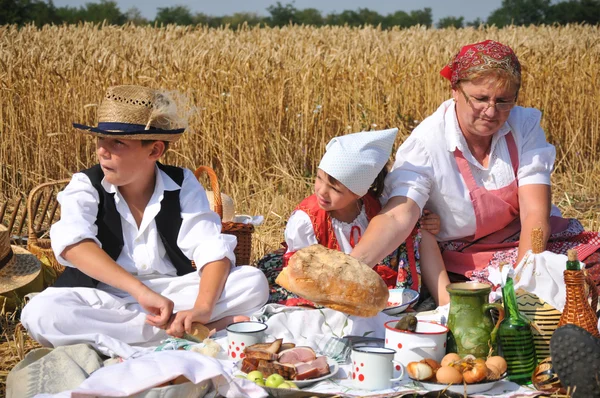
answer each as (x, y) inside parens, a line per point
(400, 300)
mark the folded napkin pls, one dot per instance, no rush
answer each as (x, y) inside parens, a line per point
(540, 274)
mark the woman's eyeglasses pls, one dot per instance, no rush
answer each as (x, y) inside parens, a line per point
(483, 105)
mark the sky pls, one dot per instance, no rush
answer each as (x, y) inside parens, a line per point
(469, 9)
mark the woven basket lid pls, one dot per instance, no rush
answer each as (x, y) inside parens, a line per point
(228, 206)
(18, 267)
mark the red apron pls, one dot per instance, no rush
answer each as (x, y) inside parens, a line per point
(496, 215)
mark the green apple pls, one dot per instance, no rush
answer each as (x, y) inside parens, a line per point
(255, 375)
(274, 380)
(292, 385)
(259, 382)
(284, 385)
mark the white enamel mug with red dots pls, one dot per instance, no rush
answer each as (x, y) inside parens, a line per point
(243, 334)
(373, 368)
(427, 341)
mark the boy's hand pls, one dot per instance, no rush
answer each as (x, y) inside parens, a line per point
(430, 222)
(159, 308)
(212, 282)
(181, 322)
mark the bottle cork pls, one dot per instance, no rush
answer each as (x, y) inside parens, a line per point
(572, 255)
(537, 241)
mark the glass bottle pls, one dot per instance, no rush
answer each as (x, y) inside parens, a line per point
(572, 261)
(515, 339)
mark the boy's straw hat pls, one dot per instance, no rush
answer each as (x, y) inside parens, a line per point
(137, 113)
(18, 267)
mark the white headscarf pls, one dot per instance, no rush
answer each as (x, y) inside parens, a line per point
(356, 159)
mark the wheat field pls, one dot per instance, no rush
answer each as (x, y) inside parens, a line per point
(264, 102)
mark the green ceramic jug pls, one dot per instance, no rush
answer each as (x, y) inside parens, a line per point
(470, 322)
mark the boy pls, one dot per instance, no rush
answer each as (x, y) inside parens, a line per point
(129, 227)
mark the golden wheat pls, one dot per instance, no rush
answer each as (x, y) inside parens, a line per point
(268, 100)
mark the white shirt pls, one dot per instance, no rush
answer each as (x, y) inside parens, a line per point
(299, 232)
(425, 169)
(143, 252)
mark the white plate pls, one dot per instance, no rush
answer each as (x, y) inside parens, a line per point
(400, 300)
(459, 388)
(333, 369)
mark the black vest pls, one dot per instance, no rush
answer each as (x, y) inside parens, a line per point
(110, 232)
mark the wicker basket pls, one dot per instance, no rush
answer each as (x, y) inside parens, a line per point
(544, 318)
(42, 212)
(243, 232)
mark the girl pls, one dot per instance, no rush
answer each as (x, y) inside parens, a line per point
(348, 190)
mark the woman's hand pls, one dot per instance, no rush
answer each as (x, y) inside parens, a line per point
(534, 209)
(430, 222)
(181, 322)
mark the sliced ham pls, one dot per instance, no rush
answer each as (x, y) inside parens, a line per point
(312, 369)
(297, 355)
(308, 373)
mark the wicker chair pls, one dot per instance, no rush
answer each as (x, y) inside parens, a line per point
(243, 232)
(13, 215)
(43, 211)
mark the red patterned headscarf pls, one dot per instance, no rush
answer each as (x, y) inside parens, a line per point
(487, 54)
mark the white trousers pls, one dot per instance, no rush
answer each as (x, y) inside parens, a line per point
(116, 325)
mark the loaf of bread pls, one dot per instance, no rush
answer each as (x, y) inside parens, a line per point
(335, 280)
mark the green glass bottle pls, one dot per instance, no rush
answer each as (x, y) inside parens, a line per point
(572, 260)
(515, 340)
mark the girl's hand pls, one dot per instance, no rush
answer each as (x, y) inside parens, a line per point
(181, 322)
(430, 222)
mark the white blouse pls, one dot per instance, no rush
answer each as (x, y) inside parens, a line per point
(143, 252)
(425, 169)
(299, 232)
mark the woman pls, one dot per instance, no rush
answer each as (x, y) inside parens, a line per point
(483, 164)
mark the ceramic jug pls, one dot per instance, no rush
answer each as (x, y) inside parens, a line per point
(470, 322)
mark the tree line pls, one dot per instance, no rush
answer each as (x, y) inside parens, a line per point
(511, 12)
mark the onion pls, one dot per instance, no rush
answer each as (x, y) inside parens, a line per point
(476, 373)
